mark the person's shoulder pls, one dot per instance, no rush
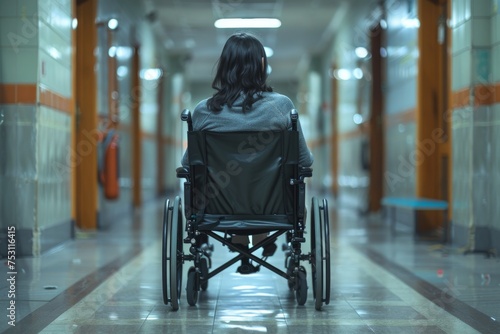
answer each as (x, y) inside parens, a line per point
(201, 110)
(281, 102)
(277, 96)
(201, 107)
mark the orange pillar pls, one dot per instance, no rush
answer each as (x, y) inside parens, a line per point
(86, 122)
(432, 151)
(73, 182)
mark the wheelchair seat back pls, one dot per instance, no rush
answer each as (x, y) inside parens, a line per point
(242, 179)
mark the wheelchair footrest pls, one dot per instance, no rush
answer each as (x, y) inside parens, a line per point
(269, 250)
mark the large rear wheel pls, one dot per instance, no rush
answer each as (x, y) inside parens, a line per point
(316, 254)
(165, 257)
(176, 254)
(320, 253)
(326, 236)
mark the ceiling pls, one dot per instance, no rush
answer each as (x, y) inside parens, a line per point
(186, 28)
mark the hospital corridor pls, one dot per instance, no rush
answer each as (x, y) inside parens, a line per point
(110, 224)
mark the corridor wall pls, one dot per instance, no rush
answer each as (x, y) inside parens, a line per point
(36, 112)
(476, 124)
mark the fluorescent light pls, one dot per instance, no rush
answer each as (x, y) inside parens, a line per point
(122, 71)
(357, 118)
(410, 23)
(113, 24)
(112, 51)
(123, 52)
(342, 74)
(248, 23)
(361, 52)
(151, 73)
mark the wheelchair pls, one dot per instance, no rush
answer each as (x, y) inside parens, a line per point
(243, 183)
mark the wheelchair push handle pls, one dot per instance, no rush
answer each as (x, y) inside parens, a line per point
(186, 117)
(294, 115)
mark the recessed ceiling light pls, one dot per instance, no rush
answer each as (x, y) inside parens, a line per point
(248, 23)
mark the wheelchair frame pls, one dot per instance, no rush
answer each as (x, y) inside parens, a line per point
(173, 256)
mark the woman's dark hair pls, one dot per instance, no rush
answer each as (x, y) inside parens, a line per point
(240, 69)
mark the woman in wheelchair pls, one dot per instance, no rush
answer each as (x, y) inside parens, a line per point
(245, 167)
(244, 102)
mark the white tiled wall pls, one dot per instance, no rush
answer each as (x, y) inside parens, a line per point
(476, 61)
(18, 172)
(480, 8)
(54, 61)
(400, 96)
(461, 36)
(461, 70)
(495, 56)
(474, 32)
(53, 167)
(495, 41)
(54, 131)
(18, 41)
(481, 32)
(32, 33)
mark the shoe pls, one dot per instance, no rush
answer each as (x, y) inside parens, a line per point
(269, 250)
(247, 268)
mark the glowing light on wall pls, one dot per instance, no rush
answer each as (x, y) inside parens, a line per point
(151, 73)
(357, 73)
(113, 24)
(361, 52)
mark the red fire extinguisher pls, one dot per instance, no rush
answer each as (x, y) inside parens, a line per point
(109, 165)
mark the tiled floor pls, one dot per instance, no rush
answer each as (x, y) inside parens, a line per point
(111, 283)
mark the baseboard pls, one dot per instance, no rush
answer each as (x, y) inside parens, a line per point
(55, 235)
(31, 243)
(460, 235)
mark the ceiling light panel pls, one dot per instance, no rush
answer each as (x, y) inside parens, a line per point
(247, 23)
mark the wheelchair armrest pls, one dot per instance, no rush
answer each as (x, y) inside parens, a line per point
(305, 172)
(182, 172)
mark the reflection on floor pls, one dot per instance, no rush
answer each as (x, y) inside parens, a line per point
(111, 283)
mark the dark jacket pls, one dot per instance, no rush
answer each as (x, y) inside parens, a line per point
(271, 112)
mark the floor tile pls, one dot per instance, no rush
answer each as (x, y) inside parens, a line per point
(367, 294)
